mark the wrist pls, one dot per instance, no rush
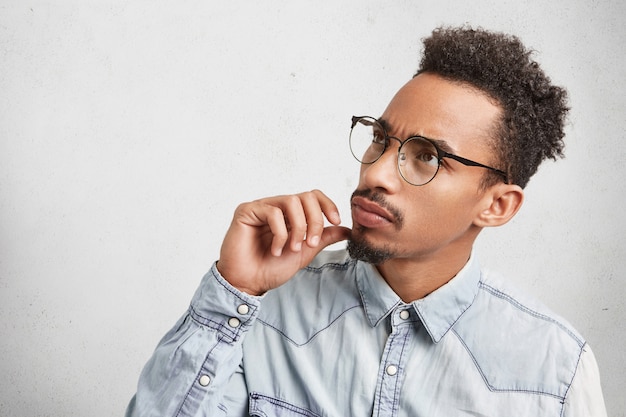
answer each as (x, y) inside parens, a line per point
(239, 285)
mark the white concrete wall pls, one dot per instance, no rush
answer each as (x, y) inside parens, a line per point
(129, 131)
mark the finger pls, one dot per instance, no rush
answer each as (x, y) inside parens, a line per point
(295, 217)
(275, 220)
(334, 234)
(328, 207)
(314, 218)
(330, 235)
(304, 216)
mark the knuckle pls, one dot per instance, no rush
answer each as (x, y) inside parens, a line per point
(306, 195)
(316, 224)
(243, 209)
(298, 229)
(274, 212)
(280, 235)
(292, 200)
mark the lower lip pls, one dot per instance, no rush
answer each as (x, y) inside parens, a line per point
(367, 218)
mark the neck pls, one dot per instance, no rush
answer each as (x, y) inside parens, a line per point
(415, 278)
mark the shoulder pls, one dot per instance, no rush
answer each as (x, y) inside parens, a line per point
(313, 299)
(493, 286)
(517, 343)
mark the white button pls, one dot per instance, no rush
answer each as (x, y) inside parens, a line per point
(234, 322)
(392, 370)
(204, 380)
(404, 314)
(243, 309)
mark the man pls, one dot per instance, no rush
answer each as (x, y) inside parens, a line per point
(405, 323)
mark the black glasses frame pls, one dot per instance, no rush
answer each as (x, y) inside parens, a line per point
(440, 152)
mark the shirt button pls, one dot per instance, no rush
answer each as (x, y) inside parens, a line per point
(392, 370)
(243, 309)
(234, 322)
(204, 380)
(404, 314)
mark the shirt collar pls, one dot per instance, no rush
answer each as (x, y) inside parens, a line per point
(377, 296)
(438, 311)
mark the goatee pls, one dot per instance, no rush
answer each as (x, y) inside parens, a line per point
(362, 251)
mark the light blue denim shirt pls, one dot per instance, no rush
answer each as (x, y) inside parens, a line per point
(337, 341)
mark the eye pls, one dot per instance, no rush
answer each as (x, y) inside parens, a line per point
(421, 153)
(426, 156)
(378, 138)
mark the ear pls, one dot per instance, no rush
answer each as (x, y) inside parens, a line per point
(500, 203)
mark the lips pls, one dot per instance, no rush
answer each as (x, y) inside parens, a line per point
(370, 214)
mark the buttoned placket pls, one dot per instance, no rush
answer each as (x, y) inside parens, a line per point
(393, 361)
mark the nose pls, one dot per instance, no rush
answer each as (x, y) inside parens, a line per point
(383, 174)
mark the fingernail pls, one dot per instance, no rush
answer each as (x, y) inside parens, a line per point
(315, 240)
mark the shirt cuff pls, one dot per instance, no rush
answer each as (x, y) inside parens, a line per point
(221, 307)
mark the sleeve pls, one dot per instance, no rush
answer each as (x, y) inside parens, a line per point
(195, 368)
(584, 398)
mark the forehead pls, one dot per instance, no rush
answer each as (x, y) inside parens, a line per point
(431, 106)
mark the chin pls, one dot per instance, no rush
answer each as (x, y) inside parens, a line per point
(360, 249)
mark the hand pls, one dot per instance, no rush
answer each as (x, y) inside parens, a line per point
(270, 239)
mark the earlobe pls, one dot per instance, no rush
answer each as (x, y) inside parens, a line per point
(502, 202)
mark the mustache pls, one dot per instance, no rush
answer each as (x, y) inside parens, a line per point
(379, 198)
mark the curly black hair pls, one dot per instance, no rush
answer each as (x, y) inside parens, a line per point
(534, 110)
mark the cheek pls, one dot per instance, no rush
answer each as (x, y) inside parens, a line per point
(442, 212)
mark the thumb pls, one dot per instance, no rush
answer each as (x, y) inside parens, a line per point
(333, 234)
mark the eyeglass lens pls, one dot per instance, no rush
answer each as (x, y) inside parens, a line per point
(418, 159)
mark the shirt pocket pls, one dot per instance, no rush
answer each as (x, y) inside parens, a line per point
(264, 406)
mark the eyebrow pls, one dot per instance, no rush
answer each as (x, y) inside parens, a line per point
(442, 144)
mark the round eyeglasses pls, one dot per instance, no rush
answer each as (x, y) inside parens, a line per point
(419, 158)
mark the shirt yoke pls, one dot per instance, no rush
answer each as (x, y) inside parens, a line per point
(517, 344)
(315, 298)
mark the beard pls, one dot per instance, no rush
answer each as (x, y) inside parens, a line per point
(361, 250)
(358, 247)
